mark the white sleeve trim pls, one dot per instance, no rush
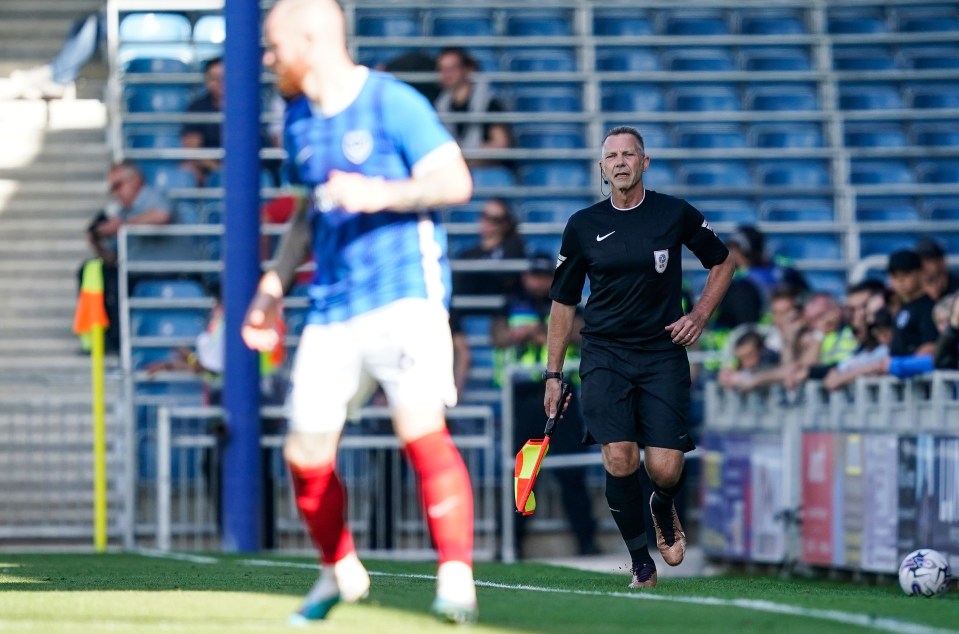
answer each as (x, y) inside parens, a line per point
(436, 158)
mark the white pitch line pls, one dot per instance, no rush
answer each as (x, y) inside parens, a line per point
(846, 618)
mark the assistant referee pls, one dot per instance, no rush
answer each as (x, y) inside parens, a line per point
(634, 368)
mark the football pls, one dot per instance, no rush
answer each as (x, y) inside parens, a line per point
(925, 573)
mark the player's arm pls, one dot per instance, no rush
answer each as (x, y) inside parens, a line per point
(558, 333)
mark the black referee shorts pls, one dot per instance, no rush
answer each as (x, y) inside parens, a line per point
(632, 395)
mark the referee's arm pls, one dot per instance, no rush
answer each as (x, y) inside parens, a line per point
(561, 318)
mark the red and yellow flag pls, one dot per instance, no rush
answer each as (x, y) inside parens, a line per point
(528, 462)
(90, 307)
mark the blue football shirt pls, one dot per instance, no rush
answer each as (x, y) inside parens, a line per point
(366, 261)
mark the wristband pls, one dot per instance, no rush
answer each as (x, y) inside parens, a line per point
(547, 375)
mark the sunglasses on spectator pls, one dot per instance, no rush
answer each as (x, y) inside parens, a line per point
(114, 186)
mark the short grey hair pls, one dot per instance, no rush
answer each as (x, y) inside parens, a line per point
(625, 129)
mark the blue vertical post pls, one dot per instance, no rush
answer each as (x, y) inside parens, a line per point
(241, 467)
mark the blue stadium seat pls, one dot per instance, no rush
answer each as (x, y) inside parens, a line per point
(880, 172)
(157, 98)
(782, 97)
(934, 96)
(211, 212)
(655, 135)
(493, 177)
(885, 243)
(659, 175)
(930, 57)
(793, 173)
(543, 244)
(627, 59)
(942, 208)
(168, 322)
(450, 22)
(873, 134)
(869, 97)
(554, 174)
(717, 174)
(859, 57)
(939, 171)
(709, 135)
(886, 210)
(209, 36)
(856, 20)
(618, 97)
(786, 134)
(166, 175)
(933, 18)
(616, 22)
(708, 98)
(157, 65)
(169, 289)
(552, 209)
(699, 59)
(487, 60)
(798, 246)
(737, 211)
(391, 22)
(540, 60)
(833, 282)
(476, 325)
(936, 133)
(155, 136)
(797, 210)
(539, 22)
(695, 22)
(549, 135)
(373, 56)
(547, 98)
(768, 21)
(155, 27)
(775, 59)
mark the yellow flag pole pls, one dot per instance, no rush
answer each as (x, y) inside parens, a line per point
(99, 442)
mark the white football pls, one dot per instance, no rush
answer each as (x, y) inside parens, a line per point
(925, 573)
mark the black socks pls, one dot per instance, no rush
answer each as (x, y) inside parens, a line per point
(625, 498)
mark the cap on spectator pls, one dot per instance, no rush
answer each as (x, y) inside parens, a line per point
(542, 263)
(903, 261)
(749, 240)
(929, 249)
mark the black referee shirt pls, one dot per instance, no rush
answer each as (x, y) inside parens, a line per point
(633, 261)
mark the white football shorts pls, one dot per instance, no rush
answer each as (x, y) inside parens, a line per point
(405, 347)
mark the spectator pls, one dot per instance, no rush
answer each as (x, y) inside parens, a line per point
(947, 347)
(874, 337)
(135, 203)
(460, 94)
(198, 135)
(499, 239)
(785, 313)
(519, 335)
(417, 61)
(752, 355)
(937, 279)
(57, 79)
(915, 332)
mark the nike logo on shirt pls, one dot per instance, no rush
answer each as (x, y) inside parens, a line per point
(600, 238)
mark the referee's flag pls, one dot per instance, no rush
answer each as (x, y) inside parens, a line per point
(90, 310)
(530, 459)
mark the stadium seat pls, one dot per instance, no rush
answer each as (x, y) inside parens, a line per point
(885, 243)
(169, 289)
(540, 22)
(616, 22)
(388, 22)
(655, 135)
(768, 21)
(786, 134)
(209, 36)
(929, 57)
(157, 98)
(660, 174)
(869, 97)
(157, 65)
(547, 98)
(873, 134)
(154, 137)
(492, 177)
(942, 208)
(540, 60)
(797, 210)
(782, 97)
(716, 174)
(155, 27)
(833, 282)
(933, 18)
(450, 22)
(695, 22)
(543, 244)
(939, 171)
(886, 210)
(880, 172)
(858, 57)
(793, 173)
(487, 60)
(936, 133)
(476, 325)
(168, 322)
(934, 96)
(856, 20)
(554, 174)
(797, 246)
(618, 97)
(549, 135)
(737, 211)
(775, 59)
(627, 59)
(699, 59)
(374, 56)
(166, 175)
(707, 135)
(552, 209)
(709, 98)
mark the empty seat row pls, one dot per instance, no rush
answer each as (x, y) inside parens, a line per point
(906, 18)
(169, 36)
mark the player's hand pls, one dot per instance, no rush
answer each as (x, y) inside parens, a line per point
(356, 193)
(259, 327)
(686, 330)
(551, 404)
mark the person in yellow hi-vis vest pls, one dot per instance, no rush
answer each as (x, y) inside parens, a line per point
(519, 335)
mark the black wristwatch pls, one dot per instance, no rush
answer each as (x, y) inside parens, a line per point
(547, 375)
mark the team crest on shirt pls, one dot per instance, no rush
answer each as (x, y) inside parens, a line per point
(902, 319)
(357, 146)
(661, 259)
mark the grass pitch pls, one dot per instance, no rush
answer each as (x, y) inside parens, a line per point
(136, 594)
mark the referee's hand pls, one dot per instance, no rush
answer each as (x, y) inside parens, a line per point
(551, 404)
(686, 330)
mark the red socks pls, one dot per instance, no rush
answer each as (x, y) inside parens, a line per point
(446, 493)
(321, 498)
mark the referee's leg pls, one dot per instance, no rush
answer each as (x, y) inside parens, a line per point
(665, 469)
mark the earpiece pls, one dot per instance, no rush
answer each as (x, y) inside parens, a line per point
(603, 176)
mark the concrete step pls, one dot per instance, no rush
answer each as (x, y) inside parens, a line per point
(21, 207)
(51, 226)
(51, 9)
(55, 115)
(32, 190)
(63, 344)
(41, 28)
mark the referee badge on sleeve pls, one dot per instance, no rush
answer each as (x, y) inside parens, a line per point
(661, 259)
